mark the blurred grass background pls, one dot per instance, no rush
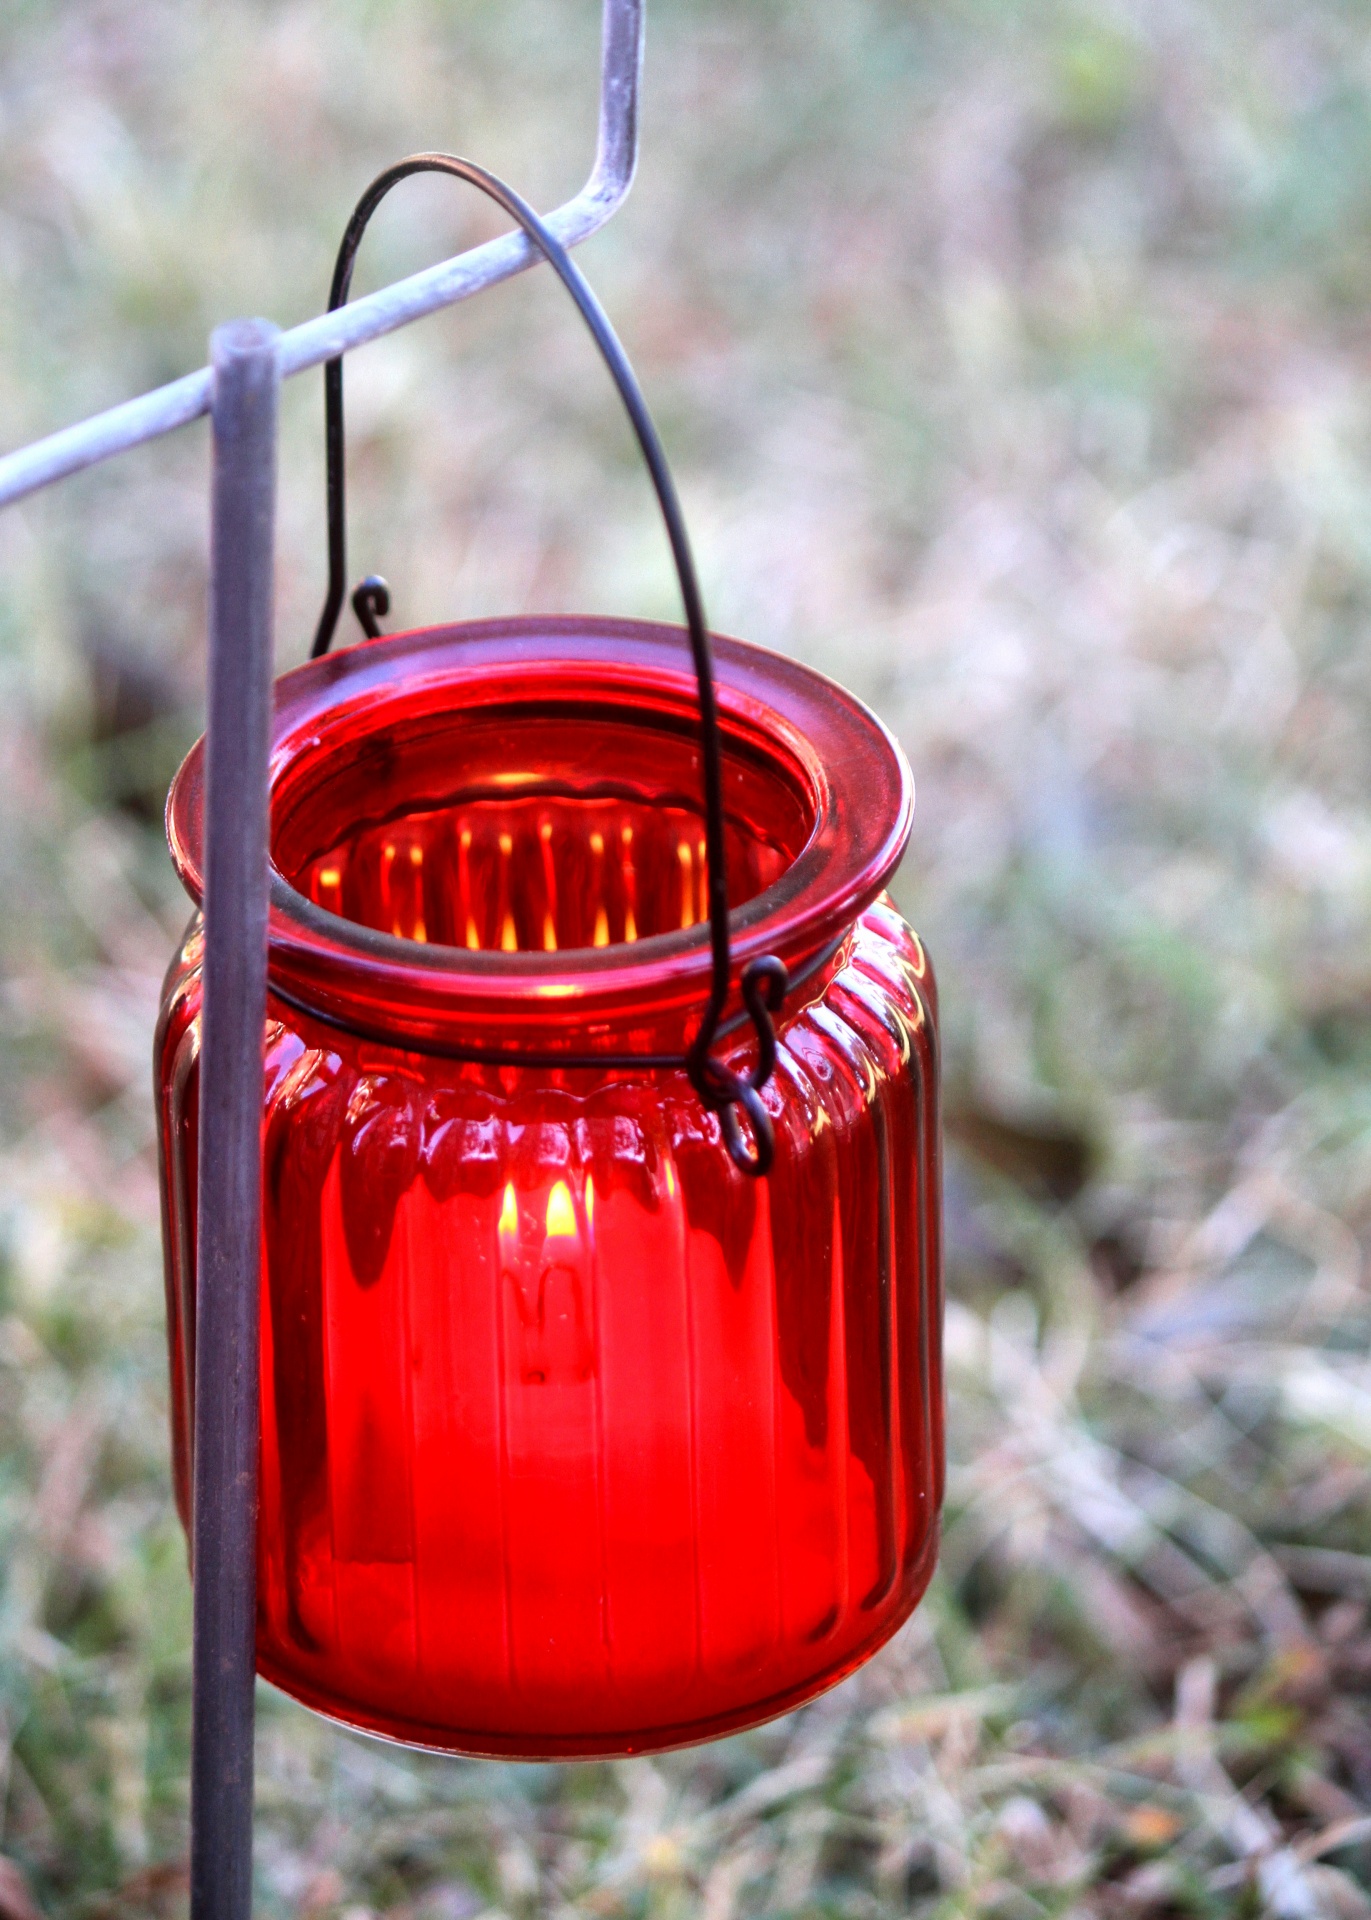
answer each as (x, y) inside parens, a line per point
(1014, 358)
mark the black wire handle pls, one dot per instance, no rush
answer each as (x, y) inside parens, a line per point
(764, 979)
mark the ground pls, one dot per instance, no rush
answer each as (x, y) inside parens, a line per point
(1014, 360)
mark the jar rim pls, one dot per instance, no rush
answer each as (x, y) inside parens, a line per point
(860, 791)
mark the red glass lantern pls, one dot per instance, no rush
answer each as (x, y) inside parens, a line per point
(578, 1437)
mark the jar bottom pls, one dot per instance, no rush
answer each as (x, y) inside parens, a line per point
(506, 1743)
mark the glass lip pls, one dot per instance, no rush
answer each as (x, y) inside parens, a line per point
(860, 791)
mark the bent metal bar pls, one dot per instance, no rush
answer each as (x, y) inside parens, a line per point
(238, 390)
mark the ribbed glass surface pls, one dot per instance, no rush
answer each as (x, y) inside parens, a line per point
(574, 1440)
(546, 872)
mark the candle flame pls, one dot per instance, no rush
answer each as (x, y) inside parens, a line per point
(561, 1210)
(509, 1213)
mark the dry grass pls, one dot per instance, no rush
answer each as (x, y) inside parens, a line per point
(1014, 362)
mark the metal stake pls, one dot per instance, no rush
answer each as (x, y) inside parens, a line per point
(245, 366)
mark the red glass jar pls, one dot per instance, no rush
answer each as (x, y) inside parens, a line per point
(575, 1440)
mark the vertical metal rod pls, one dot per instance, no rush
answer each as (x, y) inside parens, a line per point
(246, 379)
